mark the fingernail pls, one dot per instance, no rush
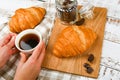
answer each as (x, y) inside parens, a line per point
(13, 37)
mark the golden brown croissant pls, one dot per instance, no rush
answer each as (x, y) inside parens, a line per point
(73, 41)
(26, 18)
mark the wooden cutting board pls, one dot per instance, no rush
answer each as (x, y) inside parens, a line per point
(74, 65)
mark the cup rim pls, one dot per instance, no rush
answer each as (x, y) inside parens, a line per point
(25, 32)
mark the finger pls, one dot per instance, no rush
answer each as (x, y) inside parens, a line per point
(13, 34)
(5, 40)
(11, 43)
(37, 51)
(23, 58)
(41, 57)
(13, 51)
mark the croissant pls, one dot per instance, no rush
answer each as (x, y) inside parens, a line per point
(26, 18)
(73, 41)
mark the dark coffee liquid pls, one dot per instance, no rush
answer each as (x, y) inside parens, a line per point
(28, 41)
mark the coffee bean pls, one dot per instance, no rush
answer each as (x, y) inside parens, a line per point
(66, 2)
(91, 58)
(86, 65)
(89, 70)
(80, 22)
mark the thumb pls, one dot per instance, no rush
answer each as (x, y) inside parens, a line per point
(23, 58)
(22, 61)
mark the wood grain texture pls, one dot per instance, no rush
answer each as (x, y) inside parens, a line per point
(75, 64)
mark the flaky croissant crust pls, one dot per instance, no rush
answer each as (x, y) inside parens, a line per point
(73, 41)
(25, 18)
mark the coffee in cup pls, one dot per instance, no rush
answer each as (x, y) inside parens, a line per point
(27, 40)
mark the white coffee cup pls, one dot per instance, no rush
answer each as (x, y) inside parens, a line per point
(22, 38)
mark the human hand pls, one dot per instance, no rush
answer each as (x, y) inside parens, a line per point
(7, 48)
(28, 69)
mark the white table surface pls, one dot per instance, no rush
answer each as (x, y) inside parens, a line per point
(111, 44)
